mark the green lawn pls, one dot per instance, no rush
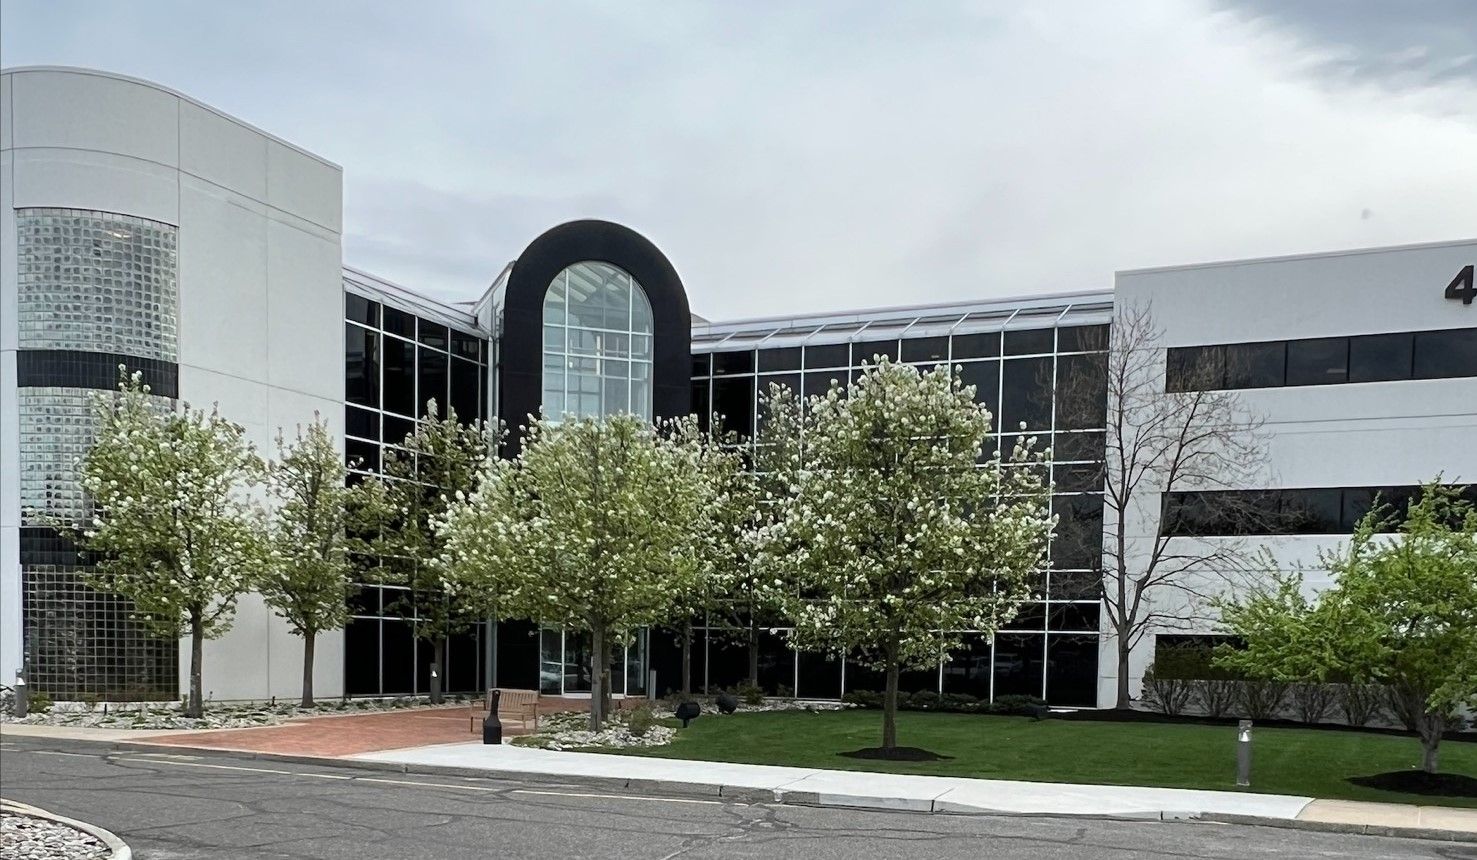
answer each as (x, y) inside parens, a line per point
(1285, 761)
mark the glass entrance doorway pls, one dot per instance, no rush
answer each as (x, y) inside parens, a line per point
(564, 664)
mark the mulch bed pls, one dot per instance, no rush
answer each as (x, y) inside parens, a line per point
(896, 754)
(1420, 782)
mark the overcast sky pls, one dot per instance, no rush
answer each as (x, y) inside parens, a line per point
(842, 154)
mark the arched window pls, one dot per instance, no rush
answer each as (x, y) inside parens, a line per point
(597, 343)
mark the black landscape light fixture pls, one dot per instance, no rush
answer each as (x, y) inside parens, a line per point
(492, 727)
(687, 712)
(727, 703)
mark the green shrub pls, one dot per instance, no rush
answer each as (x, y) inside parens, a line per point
(38, 703)
(640, 721)
(1165, 690)
(750, 694)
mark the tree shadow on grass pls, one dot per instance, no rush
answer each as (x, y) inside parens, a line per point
(896, 754)
(1420, 782)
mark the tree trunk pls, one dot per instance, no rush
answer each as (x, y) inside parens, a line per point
(438, 668)
(196, 705)
(753, 655)
(1431, 726)
(1123, 703)
(599, 677)
(308, 640)
(889, 704)
(686, 685)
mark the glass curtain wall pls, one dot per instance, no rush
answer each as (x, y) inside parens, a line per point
(1050, 649)
(395, 362)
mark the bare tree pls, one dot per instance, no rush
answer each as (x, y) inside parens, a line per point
(1166, 434)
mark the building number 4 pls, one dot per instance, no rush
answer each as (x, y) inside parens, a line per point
(1462, 287)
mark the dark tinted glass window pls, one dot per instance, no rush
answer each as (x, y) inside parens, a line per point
(984, 344)
(360, 309)
(787, 380)
(734, 400)
(702, 364)
(432, 381)
(362, 455)
(1446, 354)
(818, 382)
(868, 350)
(466, 345)
(1082, 391)
(434, 334)
(1078, 543)
(1082, 338)
(926, 349)
(1380, 357)
(1030, 616)
(828, 355)
(463, 396)
(725, 363)
(1029, 341)
(1256, 365)
(396, 429)
(1318, 361)
(700, 405)
(781, 358)
(1195, 368)
(399, 375)
(1025, 394)
(1079, 446)
(1312, 512)
(1019, 663)
(362, 423)
(1078, 477)
(362, 663)
(362, 363)
(985, 377)
(1072, 616)
(399, 322)
(1071, 670)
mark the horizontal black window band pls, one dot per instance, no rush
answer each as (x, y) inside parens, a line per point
(45, 546)
(1383, 357)
(1265, 513)
(65, 368)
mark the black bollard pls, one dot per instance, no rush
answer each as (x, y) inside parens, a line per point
(687, 712)
(492, 727)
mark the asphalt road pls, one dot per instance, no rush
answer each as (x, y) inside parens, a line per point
(183, 806)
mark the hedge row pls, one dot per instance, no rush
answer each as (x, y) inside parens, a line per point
(959, 703)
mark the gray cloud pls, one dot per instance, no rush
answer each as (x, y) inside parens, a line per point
(1403, 44)
(831, 155)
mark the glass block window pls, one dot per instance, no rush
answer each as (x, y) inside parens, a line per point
(57, 428)
(97, 282)
(81, 642)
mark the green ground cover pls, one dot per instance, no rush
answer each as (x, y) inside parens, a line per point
(1311, 762)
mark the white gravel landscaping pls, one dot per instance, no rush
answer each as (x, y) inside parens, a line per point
(570, 730)
(223, 715)
(24, 837)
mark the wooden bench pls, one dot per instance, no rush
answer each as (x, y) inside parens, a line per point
(513, 704)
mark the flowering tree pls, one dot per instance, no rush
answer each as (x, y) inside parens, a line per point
(175, 530)
(442, 458)
(890, 536)
(1402, 612)
(307, 582)
(598, 525)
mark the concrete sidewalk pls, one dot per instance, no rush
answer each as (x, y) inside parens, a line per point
(852, 788)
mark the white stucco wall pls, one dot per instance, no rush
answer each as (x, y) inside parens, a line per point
(1349, 435)
(260, 295)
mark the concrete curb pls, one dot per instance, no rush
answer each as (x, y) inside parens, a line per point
(1430, 833)
(118, 849)
(781, 795)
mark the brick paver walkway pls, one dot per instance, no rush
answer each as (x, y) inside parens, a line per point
(362, 733)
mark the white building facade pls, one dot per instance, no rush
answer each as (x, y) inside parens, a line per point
(138, 226)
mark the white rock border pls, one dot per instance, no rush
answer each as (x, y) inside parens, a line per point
(118, 849)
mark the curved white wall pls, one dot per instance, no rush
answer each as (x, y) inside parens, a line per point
(260, 294)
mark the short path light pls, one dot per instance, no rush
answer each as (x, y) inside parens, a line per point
(492, 727)
(687, 712)
(1243, 752)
